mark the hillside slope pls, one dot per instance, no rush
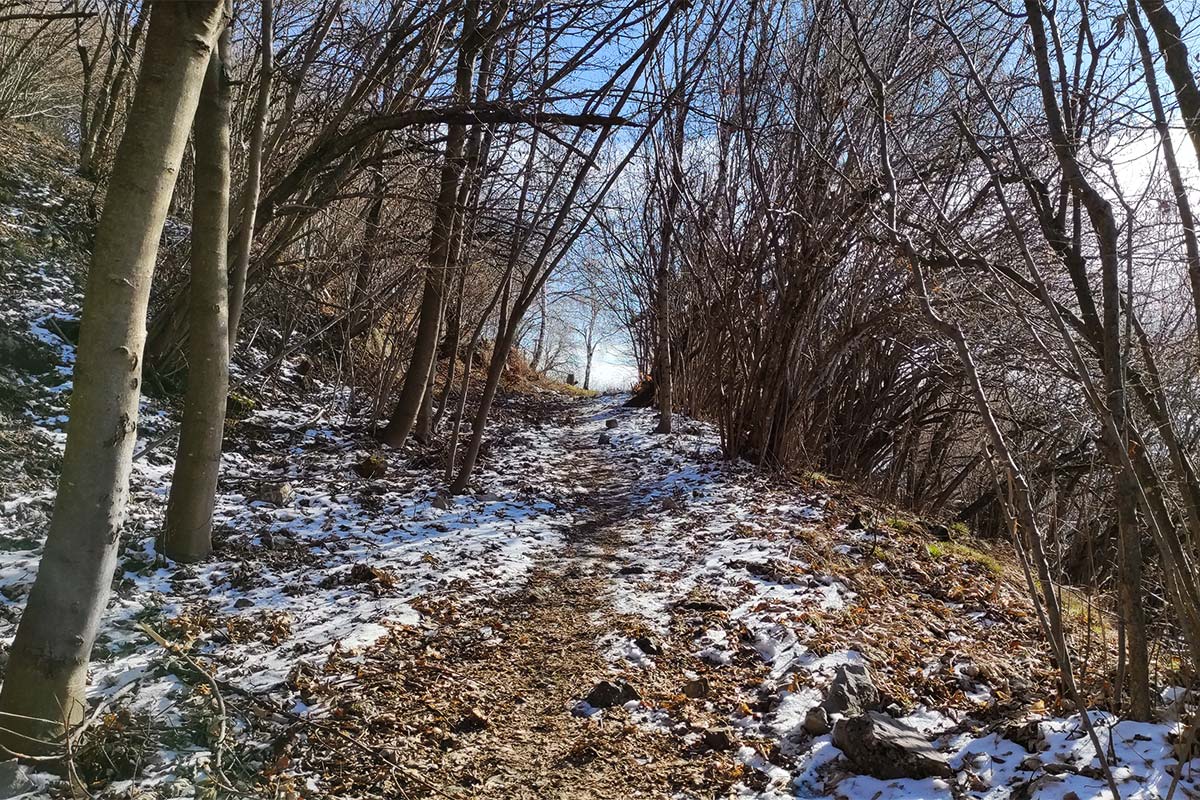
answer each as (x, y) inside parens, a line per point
(609, 614)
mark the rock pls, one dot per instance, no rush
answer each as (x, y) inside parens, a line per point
(649, 646)
(472, 721)
(877, 745)
(1027, 734)
(632, 569)
(816, 721)
(852, 692)
(1059, 768)
(275, 541)
(372, 467)
(277, 494)
(604, 439)
(536, 596)
(180, 787)
(242, 602)
(1031, 763)
(610, 424)
(936, 530)
(441, 502)
(14, 779)
(719, 739)
(703, 604)
(696, 688)
(607, 694)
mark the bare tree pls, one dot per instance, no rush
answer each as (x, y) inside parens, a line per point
(47, 667)
(187, 530)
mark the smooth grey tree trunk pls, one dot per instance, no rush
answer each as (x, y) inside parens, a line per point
(187, 532)
(47, 666)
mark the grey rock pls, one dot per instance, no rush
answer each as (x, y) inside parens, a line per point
(1059, 768)
(649, 646)
(180, 787)
(877, 745)
(607, 694)
(816, 721)
(14, 779)
(852, 692)
(612, 423)
(719, 739)
(1027, 734)
(277, 494)
(372, 467)
(604, 439)
(474, 720)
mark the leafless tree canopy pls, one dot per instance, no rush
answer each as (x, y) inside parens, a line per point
(944, 250)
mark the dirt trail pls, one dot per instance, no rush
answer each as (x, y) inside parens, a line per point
(484, 707)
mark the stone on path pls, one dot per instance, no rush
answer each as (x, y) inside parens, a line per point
(880, 746)
(607, 694)
(852, 692)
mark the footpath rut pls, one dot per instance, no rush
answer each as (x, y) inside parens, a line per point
(488, 705)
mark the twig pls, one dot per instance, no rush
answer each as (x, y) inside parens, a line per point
(214, 685)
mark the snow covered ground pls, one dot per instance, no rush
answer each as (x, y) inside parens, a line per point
(764, 582)
(715, 530)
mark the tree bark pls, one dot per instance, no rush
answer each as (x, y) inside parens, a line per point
(187, 532)
(663, 384)
(249, 197)
(44, 685)
(540, 342)
(1175, 53)
(441, 254)
(1182, 204)
(110, 97)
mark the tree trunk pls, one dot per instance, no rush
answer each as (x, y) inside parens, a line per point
(1103, 222)
(663, 373)
(424, 428)
(110, 98)
(1137, 676)
(47, 666)
(249, 197)
(495, 371)
(1182, 205)
(187, 532)
(540, 342)
(87, 64)
(1173, 45)
(358, 319)
(441, 254)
